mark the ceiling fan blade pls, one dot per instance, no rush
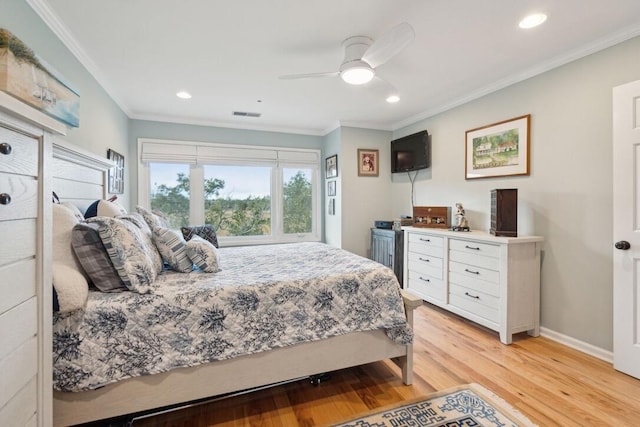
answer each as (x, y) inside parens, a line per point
(389, 44)
(308, 76)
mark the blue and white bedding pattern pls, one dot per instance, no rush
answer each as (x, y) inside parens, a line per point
(264, 297)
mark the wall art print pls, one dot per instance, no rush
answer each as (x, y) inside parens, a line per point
(499, 149)
(27, 77)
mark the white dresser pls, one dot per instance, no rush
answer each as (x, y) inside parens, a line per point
(493, 281)
(25, 264)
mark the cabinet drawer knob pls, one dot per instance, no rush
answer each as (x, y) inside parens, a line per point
(5, 199)
(472, 296)
(471, 271)
(472, 247)
(424, 280)
(5, 148)
(424, 259)
(425, 240)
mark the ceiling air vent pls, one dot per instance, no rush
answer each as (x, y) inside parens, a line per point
(246, 114)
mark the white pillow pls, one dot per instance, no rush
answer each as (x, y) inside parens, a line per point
(63, 222)
(73, 208)
(104, 208)
(203, 254)
(71, 287)
(173, 249)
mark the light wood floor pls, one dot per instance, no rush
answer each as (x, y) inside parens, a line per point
(548, 382)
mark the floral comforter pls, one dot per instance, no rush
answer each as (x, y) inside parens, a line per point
(265, 297)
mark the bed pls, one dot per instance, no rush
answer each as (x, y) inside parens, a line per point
(331, 310)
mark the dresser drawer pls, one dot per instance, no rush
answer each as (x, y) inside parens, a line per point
(472, 247)
(426, 244)
(475, 254)
(17, 326)
(475, 302)
(426, 286)
(22, 237)
(472, 273)
(22, 153)
(18, 283)
(426, 264)
(22, 192)
(19, 368)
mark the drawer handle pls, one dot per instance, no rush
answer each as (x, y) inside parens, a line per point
(471, 247)
(424, 280)
(5, 199)
(425, 240)
(5, 148)
(471, 271)
(472, 296)
(424, 259)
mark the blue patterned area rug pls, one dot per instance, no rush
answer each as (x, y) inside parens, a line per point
(468, 405)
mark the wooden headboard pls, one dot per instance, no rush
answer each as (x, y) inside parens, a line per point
(79, 176)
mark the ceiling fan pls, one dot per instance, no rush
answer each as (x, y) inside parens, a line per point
(362, 55)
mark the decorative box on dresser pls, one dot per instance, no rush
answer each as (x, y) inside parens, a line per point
(493, 281)
(25, 264)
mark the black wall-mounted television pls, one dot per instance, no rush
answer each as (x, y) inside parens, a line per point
(410, 153)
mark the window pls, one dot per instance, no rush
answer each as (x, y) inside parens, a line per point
(249, 194)
(170, 191)
(238, 199)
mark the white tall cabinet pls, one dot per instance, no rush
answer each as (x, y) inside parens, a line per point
(25, 264)
(493, 281)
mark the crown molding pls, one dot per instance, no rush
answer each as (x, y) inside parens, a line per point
(44, 11)
(624, 34)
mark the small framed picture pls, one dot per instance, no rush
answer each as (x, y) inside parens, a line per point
(331, 166)
(116, 173)
(331, 188)
(368, 162)
(332, 206)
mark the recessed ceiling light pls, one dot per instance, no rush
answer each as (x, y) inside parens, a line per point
(532, 20)
(183, 94)
(392, 99)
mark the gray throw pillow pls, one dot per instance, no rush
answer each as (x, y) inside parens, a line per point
(94, 259)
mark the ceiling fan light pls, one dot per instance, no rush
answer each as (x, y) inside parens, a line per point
(357, 75)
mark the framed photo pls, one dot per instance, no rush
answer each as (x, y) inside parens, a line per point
(116, 173)
(368, 162)
(499, 149)
(332, 206)
(331, 166)
(331, 188)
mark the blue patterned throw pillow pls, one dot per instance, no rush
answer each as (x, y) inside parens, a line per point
(203, 254)
(173, 249)
(129, 253)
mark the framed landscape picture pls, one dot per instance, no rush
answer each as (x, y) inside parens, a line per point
(498, 149)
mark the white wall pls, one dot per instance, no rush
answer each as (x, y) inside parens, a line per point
(103, 125)
(568, 196)
(333, 223)
(364, 198)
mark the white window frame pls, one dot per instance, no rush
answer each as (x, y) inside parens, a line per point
(198, 154)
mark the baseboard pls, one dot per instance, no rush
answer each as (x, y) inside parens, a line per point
(582, 346)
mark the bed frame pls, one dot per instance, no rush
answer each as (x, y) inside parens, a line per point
(79, 177)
